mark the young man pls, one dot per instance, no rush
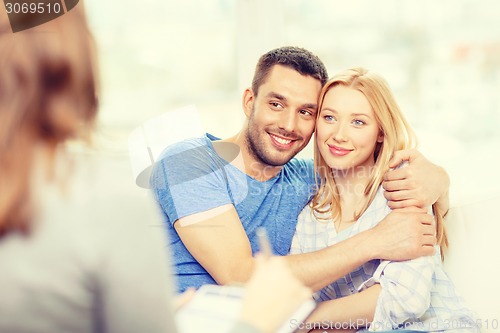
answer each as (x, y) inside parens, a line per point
(215, 193)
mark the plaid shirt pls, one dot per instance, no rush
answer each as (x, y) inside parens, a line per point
(415, 294)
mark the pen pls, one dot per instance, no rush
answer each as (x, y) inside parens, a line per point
(264, 245)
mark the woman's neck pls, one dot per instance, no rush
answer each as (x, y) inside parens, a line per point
(351, 183)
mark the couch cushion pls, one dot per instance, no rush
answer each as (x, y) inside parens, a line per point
(472, 259)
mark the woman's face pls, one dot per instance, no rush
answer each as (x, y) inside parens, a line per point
(346, 130)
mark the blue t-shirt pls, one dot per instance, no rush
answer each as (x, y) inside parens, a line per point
(190, 177)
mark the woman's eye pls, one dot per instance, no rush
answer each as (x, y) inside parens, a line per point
(358, 122)
(328, 118)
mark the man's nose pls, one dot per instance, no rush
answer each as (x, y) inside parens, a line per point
(288, 121)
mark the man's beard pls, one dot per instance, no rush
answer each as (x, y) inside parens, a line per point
(256, 145)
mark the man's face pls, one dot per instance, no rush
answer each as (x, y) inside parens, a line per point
(281, 118)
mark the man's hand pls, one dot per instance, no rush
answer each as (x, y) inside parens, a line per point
(404, 234)
(420, 183)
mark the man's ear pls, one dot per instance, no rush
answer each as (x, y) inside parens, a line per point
(248, 100)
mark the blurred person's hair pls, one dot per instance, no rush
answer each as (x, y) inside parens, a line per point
(296, 58)
(398, 135)
(48, 81)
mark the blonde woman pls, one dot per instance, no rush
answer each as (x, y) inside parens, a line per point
(359, 128)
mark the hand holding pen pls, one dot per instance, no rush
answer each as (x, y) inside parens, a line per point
(272, 276)
(265, 249)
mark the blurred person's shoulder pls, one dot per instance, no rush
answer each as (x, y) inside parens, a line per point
(96, 191)
(93, 232)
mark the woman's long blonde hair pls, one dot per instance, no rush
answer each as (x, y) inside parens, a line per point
(47, 95)
(397, 135)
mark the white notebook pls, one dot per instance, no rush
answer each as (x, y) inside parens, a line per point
(216, 308)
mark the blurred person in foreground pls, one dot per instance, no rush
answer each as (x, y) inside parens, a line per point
(70, 261)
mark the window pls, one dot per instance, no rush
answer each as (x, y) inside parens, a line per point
(441, 59)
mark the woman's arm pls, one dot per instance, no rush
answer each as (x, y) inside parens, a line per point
(351, 312)
(405, 292)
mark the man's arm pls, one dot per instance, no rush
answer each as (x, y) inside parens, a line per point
(219, 243)
(401, 235)
(217, 240)
(420, 183)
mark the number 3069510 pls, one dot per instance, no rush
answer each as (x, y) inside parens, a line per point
(33, 8)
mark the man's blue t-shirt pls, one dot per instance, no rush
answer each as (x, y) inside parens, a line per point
(190, 177)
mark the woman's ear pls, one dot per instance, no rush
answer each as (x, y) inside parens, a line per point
(380, 137)
(248, 100)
